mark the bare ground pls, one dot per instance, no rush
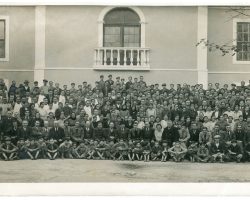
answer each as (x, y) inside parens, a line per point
(45, 171)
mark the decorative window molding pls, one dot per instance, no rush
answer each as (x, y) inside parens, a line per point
(235, 39)
(121, 57)
(109, 8)
(5, 38)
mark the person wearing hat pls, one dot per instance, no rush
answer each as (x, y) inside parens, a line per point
(35, 90)
(26, 86)
(177, 152)
(45, 87)
(8, 150)
(164, 88)
(234, 152)
(109, 82)
(217, 149)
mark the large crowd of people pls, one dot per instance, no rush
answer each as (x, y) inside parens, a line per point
(121, 119)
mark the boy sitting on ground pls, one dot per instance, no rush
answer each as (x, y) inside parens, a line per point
(21, 149)
(203, 153)
(177, 152)
(52, 149)
(111, 152)
(9, 150)
(91, 150)
(146, 151)
(101, 150)
(121, 149)
(192, 152)
(131, 146)
(164, 151)
(138, 151)
(33, 149)
(42, 148)
(65, 148)
(234, 152)
(81, 151)
(156, 152)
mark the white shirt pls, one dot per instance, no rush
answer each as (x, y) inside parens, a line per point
(208, 114)
(43, 113)
(236, 115)
(40, 99)
(62, 99)
(88, 110)
(164, 123)
(158, 135)
(55, 106)
(17, 108)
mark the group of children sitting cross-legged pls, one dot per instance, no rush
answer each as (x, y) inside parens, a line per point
(114, 150)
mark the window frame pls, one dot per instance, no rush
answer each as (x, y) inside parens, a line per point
(122, 26)
(235, 21)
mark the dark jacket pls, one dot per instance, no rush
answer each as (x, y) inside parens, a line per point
(56, 135)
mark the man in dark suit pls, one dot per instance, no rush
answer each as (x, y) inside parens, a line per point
(240, 136)
(57, 133)
(170, 134)
(7, 122)
(88, 130)
(25, 131)
(228, 135)
(122, 132)
(147, 133)
(135, 133)
(99, 132)
(111, 131)
(36, 131)
(194, 133)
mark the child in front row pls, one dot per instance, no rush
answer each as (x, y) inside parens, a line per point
(65, 148)
(101, 150)
(177, 152)
(33, 149)
(156, 152)
(138, 151)
(111, 152)
(91, 150)
(164, 151)
(52, 149)
(203, 153)
(146, 151)
(9, 150)
(80, 151)
(121, 150)
(131, 146)
(192, 152)
(21, 149)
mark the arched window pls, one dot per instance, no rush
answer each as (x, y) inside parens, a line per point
(121, 28)
(121, 39)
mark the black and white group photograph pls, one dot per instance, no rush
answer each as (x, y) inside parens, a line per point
(124, 93)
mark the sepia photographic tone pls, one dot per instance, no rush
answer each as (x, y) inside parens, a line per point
(94, 93)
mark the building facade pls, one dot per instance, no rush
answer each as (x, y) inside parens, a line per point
(79, 43)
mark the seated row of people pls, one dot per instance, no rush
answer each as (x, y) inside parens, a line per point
(131, 150)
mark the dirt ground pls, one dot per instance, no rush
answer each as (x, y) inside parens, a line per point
(120, 171)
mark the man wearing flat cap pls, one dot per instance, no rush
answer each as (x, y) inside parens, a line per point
(45, 87)
(217, 149)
